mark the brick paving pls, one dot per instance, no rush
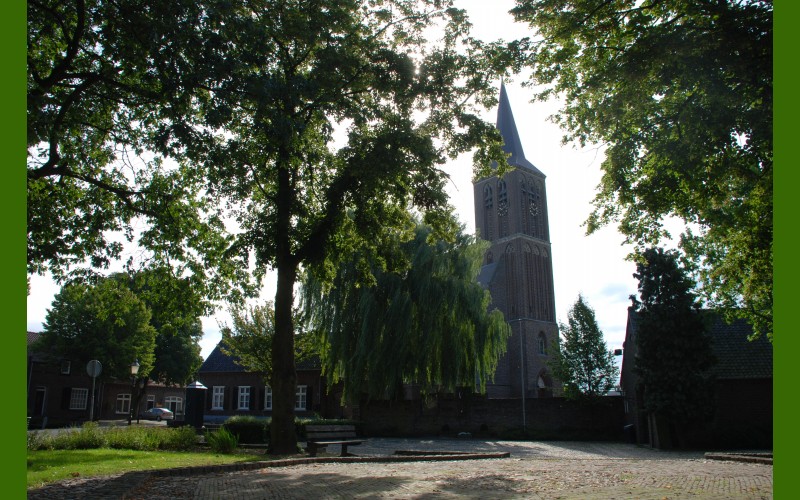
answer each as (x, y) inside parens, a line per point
(535, 470)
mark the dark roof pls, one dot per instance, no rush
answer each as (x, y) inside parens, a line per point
(33, 337)
(218, 361)
(508, 129)
(737, 357)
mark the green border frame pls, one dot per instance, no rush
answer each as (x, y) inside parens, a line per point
(12, 204)
(786, 276)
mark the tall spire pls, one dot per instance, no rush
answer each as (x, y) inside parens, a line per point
(508, 130)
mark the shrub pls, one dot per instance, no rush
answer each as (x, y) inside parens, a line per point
(248, 429)
(222, 441)
(87, 437)
(133, 438)
(39, 441)
(180, 439)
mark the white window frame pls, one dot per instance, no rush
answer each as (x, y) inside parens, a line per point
(267, 398)
(151, 401)
(244, 397)
(66, 366)
(124, 399)
(218, 397)
(78, 398)
(178, 404)
(300, 397)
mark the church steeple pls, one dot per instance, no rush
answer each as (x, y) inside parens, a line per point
(511, 214)
(508, 130)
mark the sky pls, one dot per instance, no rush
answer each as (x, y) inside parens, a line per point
(593, 266)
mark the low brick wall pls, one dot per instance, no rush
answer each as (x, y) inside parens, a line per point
(545, 418)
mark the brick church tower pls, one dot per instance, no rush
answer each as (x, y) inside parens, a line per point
(511, 213)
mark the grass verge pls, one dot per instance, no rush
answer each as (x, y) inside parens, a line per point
(46, 466)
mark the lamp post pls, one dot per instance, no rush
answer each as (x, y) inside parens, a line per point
(134, 371)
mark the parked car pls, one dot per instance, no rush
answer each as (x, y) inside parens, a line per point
(157, 414)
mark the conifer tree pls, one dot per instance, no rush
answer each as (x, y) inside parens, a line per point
(583, 362)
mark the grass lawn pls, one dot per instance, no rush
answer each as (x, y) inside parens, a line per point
(54, 465)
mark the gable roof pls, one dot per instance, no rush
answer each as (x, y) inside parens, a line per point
(737, 357)
(511, 139)
(218, 361)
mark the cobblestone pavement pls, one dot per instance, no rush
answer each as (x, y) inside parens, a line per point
(535, 470)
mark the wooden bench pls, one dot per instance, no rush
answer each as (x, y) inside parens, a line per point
(320, 436)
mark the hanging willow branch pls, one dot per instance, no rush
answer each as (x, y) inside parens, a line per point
(428, 323)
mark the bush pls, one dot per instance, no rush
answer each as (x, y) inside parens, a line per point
(133, 438)
(248, 429)
(180, 439)
(222, 441)
(87, 437)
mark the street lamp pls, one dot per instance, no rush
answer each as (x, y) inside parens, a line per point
(134, 371)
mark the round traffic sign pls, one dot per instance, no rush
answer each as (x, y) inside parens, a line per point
(94, 368)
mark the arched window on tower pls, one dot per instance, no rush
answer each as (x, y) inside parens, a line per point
(502, 208)
(542, 344)
(534, 210)
(488, 212)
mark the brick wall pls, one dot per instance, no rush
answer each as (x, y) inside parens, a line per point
(551, 418)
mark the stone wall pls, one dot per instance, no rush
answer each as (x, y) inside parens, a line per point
(545, 418)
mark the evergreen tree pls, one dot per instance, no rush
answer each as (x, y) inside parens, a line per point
(673, 349)
(583, 362)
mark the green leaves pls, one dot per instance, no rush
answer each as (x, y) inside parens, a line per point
(423, 323)
(582, 360)
(106, 322)
(680, 93)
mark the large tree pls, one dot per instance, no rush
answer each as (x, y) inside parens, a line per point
(323, 107)
(423, 320)
(673, 348)
(105, 321)
(680, 94)
(582, 361)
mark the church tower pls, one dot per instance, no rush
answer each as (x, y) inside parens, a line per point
(511, 213)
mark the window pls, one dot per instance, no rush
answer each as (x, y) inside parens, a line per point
(151, 401)
(77, 399)
(244, 397)
(65, 366)
(542, 344)
(174, 403)
(300, 397)
(218, 397)
(123, 403)
(267, 398)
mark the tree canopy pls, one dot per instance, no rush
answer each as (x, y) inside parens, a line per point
(582, 361)
(425, 321)
(283, 115)
(680, 94)
(107, 322)
(673, 357)
(321, 108)
(111, 89)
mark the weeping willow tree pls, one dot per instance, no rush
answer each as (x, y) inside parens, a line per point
(426, 321)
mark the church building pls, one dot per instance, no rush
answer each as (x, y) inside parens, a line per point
(511, 213)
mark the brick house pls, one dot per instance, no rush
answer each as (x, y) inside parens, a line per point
(742, 401)
(59, 392)
(233, 390)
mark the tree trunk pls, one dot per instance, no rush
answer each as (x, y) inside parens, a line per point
(283, 440)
